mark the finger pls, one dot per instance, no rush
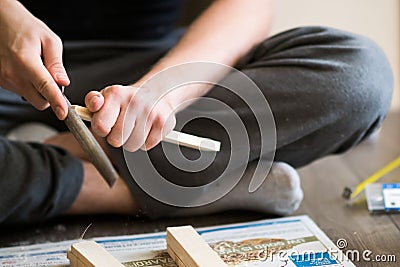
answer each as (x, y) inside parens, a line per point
(26, 91)
(154, 137)
(94, 100)
(52, 58)
(45, 85)
(104, 119)
(33, 97)
(122, 128)
(160, 128)
(139, 134)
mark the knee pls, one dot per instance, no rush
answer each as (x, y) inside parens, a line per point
(361, 78)
(341, 69)
(369, 78)
(357, 80)
(364, 89)
(350, 81)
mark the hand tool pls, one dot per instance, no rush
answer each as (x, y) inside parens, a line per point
(90, 145)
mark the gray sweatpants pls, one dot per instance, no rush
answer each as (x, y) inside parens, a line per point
(327, 89)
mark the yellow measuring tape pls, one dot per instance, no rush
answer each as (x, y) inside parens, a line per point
(350, 195)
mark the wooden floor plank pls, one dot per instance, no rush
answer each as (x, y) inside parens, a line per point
(323, 182)
(360, 229)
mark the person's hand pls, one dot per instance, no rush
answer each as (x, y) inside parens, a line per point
(130, 116)
(31, 59)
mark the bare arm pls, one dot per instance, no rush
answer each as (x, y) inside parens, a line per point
(31, 58)
(225, 32)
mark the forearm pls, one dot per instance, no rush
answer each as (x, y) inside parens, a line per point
(225, 32)
(31, 58)
(222, 34)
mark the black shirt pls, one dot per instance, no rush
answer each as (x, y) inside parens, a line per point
(107, 20)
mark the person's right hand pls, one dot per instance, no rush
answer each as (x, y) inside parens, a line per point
(31, 59)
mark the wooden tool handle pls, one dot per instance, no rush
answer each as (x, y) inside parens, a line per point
(90, 145)
(173, 137)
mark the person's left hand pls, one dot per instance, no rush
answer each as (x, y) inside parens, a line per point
(130, 116)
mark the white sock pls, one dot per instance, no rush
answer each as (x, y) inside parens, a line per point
(280, 194)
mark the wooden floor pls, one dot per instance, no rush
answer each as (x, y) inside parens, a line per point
(323, 183)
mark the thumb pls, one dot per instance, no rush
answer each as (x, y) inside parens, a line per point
(52, 59)
(94, 101)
